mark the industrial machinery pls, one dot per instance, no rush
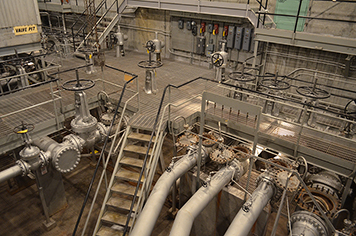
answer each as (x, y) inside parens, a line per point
(120, 50)
(241, 80)
(219, 61)
(150, 66)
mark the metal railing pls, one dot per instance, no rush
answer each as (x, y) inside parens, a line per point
(101, 157)
(81, 31)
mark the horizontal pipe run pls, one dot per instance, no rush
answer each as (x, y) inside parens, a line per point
(249, 212)
(10, 173)
(196, 204)
(149, 215)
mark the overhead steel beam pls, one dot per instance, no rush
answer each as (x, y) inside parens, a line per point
(200, 7)
(307, 40)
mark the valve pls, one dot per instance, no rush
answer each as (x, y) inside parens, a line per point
(225, 31)
(202, 27)
(217, 60)
(216, 29)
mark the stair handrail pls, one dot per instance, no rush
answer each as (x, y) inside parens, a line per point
(134, 77)
(154, 159)
(98, 8)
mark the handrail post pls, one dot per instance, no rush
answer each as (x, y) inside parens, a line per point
(296, 21)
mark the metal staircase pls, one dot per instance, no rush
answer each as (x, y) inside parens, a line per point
(126, 182)
(109, 17)
(113, 215)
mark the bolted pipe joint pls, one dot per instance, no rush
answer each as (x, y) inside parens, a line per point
(308, 224)
(65, 157)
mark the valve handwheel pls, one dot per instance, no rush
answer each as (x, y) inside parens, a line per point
(217, 59)
(312, 92)
(78, 85)
(150, 45)
(275, 84)
(242, 77)
(23, 128)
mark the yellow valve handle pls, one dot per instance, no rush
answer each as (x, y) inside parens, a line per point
(213, 32)
(148, 51)
(90, 56)
(201, 30)
(22, 131)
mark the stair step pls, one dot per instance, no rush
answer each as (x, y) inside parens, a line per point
(115, 218)
(137, 149)
(120, 202)
(130, 161)
(107, 231)
(125, 189)
(128, 175)
(141, 137)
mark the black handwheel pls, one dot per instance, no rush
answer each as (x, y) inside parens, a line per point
(275, 84)
(217, 59)
(78, 84)
(23, 128)
(150, 64)
(150, 45)
(311, 92)
(242, 77)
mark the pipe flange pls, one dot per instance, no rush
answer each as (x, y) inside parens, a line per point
(103, 131)
(81, 125)
(186, 140)
(24, 167)
(279, 161)
(222, 156)
(29, 152)
(209, 139)
(43, 159)
(326, 178)
(281, 177)
(241, 152)
(66, 159)
(75, 141)
(329, 203)
(106, 118)
(301, 220)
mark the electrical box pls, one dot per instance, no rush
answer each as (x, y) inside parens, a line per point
(189, 25)
(210, 48)
(220, 45)
(246, 42)
(194, 28)
(201, 41)
(181, 24)
(210, 28)
(238, 37)
(230, 37)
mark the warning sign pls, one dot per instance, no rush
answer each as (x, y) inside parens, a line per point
(26, 29)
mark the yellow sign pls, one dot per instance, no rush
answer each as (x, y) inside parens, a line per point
(25, 29)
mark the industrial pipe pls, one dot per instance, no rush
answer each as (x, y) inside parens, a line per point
(149, 215)
(249, 212)
(196, 204)
(10, 173)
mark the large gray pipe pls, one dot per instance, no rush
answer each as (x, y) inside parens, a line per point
(149, 215)
(10, 173)
(249, 212)
(196, 204)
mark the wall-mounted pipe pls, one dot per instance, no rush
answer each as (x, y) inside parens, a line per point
(249, 212)
(196, 204)
(149, 215)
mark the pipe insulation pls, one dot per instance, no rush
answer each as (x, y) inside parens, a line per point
(249, 212)
(196, 204)
(149, 214)
(10, 173)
